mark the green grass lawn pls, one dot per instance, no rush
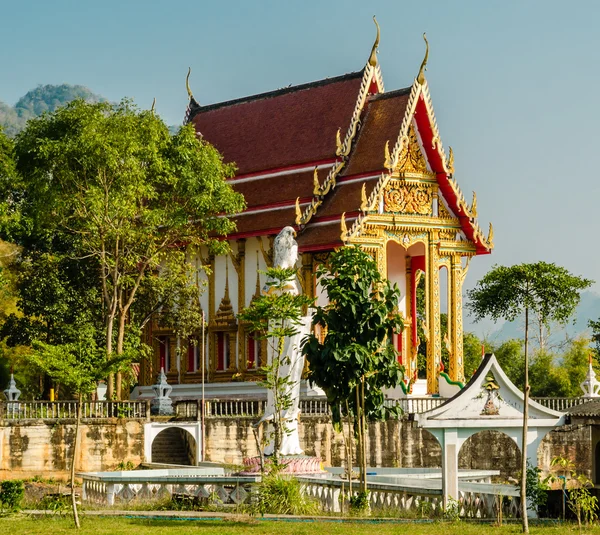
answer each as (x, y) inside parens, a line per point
(19, 524)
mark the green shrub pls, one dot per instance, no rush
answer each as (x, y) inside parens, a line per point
(359, 502)
(281, 495)
(11, 494)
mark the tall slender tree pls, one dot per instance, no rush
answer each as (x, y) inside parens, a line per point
(356, 358)
(546, 290)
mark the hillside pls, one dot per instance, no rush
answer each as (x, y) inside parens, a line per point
(39, 100)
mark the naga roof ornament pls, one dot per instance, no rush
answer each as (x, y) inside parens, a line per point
(153, 105)
(373, 56)
(316, 185)
(421, 75)
(473, 208)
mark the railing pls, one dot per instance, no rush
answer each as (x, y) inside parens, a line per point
(560, 404)
(122, 489)
(419, 497)
(189, 409)
(54, 410)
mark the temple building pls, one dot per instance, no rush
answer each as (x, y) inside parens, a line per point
(344, 162)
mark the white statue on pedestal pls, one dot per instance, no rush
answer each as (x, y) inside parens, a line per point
(286, 256)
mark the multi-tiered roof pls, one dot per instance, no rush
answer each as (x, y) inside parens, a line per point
(316, 156)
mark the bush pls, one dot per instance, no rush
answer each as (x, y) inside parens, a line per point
(11, 494)
(281, 495)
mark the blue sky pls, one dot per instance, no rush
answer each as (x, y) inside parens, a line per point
(514, 85)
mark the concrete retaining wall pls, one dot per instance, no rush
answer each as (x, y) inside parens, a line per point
(36, 447)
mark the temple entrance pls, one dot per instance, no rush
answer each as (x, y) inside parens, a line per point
(174, 446)
(170, 443)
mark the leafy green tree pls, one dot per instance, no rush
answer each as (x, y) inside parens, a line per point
(277, 316)
(112, 182)
(575, 364)
(79, 366)
(548, 291)
(356, 360)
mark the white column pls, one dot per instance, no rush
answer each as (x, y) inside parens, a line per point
(450, 447)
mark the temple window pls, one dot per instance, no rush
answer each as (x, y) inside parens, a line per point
(193, 355)
(164, 353)
(254, 351)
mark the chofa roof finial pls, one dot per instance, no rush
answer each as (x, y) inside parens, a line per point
(187, 83)
(373, 56)
(421, 75)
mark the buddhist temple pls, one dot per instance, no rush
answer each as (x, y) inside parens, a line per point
(344, 162)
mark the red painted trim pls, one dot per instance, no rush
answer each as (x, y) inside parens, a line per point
(253, 234)
(282, 169)
(435, 161)
(374, 174)
(290, 203)
(191, 356)
(417, 262)
(315, 248)
(338, 217)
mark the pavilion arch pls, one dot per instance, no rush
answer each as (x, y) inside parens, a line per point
(490, 401)
(180, 435)
(491, 450)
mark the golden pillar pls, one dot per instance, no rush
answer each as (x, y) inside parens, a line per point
(239, 263)
(455, 305)
(407, 344)
(308, 284)
(434, 342)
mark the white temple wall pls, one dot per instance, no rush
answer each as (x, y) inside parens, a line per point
(396, 267)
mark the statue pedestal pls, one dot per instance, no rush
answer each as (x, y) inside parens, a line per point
(298, 465)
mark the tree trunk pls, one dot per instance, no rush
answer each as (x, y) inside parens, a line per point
(364, 437)
(120, 344)
(73, 460)
(110, 389)
(525, 417)
(360, 438)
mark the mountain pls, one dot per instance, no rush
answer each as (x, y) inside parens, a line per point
(39, 100)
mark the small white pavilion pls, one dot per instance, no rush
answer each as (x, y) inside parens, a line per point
(490, 401)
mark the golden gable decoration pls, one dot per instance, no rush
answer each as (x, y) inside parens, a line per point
(407, 198)
(411, 159)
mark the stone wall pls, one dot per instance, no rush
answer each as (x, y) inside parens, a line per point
(30, 448)
(44, 447)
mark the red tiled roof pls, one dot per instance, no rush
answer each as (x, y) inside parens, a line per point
(381, 123)
(281, 128)
(276, 189)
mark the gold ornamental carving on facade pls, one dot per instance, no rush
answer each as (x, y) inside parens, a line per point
(411, 159)
(407, 199)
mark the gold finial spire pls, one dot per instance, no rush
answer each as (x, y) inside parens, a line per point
(316, 185)
(187, 83)
(386, 151)
(343, 236)
(474, 205)
(421, 75)
(450, 162)
(153, 105)
(298, 211)
(373, 56)
(338, 143)
(490, 238)
(363, 198)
